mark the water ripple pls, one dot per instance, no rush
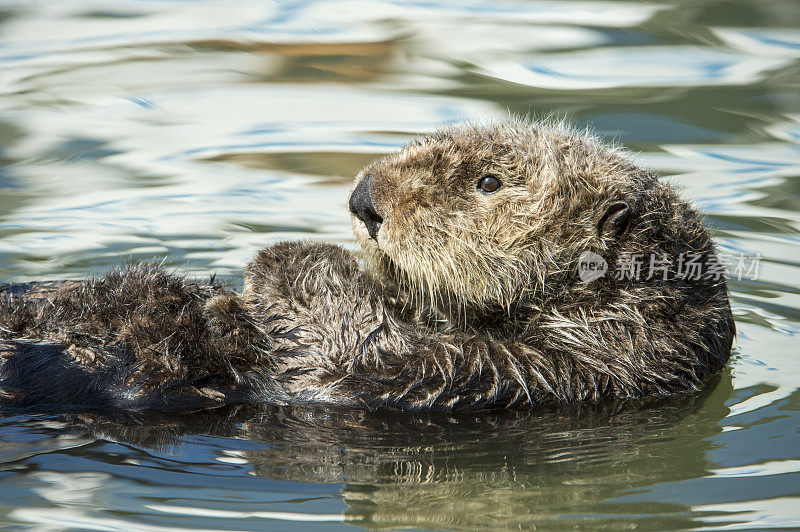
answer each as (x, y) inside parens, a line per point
(197, 132)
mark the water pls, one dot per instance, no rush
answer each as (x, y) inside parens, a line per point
(197, 132)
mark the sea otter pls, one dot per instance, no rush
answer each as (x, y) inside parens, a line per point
(469, 293)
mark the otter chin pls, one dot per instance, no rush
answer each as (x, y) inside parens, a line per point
(503, 264)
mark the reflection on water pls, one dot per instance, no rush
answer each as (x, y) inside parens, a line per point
(197, 132)
(489, 470)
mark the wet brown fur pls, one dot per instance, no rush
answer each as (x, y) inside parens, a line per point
(465, 299)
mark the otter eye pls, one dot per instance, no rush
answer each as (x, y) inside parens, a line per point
(488, 184)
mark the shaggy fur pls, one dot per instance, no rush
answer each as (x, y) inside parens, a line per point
(467, 299)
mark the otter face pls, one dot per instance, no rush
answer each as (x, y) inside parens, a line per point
(479, 216)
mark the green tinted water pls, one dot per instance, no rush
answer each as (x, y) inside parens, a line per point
(197, 132)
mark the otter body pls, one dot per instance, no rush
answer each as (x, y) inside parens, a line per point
(468, 294)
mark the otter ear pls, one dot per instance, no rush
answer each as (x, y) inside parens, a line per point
(615, 220)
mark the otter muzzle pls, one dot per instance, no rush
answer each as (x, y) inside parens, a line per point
(361, 205)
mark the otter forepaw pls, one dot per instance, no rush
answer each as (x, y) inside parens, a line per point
(226, 315)
(290, 269)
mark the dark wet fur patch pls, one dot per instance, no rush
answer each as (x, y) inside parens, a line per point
(137, 338)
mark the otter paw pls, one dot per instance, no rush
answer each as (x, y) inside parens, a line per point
(226, 315)
(289, 268)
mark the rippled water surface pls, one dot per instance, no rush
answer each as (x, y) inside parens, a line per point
(197, 132)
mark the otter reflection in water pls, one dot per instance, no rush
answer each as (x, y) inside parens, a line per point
(552, 467)
(471, 297)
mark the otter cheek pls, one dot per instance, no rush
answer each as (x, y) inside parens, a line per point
(398, 242)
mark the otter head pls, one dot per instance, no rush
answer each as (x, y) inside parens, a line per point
(481, 219)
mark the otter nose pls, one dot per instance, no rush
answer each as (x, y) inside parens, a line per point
(361, 205)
